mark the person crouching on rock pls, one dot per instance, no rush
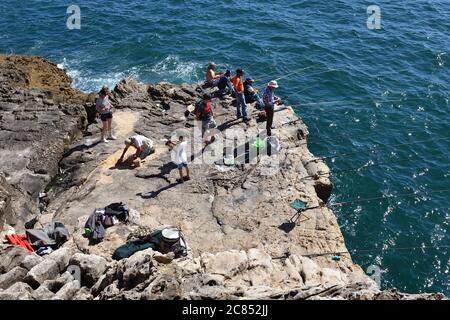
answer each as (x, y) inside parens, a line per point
(105, 109)
(181, 157)
(251, 94)
(225, 84)
(270, 100)
(144, 147)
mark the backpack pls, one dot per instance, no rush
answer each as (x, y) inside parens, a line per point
(118, 209)
(202, 110)
(198, 109)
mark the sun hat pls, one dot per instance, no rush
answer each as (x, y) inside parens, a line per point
(249, 79)
(170, 234)
(273, 84)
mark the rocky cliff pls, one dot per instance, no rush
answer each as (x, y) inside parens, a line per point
(236, 219)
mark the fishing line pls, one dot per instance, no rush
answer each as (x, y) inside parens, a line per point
(375, 148)
(348, 202)
(355, 168)
(355, 251)
(263, 79)
(359, 101)
(318, 139)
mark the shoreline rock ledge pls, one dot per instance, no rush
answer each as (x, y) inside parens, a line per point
(235, 218)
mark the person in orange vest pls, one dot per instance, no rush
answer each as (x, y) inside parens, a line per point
(238, 84)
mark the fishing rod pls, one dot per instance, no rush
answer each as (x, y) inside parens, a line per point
(374, 148)
(309, 75)
(304, 75)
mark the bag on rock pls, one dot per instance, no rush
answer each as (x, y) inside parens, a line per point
(128, 249)
(118, 209)
(53, 235)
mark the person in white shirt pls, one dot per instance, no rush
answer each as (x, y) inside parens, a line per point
(105, 109)
(181, 157)
(143, 145)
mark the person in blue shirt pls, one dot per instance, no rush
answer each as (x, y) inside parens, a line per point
(251, 94)
(224, 84)
(270, 99)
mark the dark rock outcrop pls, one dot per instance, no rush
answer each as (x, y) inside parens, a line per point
(40, 115)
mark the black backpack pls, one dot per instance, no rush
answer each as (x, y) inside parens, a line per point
(118, 209)
(199, 106)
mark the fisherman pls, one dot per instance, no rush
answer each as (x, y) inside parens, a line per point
(251, 94)
(181, 157)
(270, 100)
(143, 146)
(225, 84)
(212, 79)
(204, 112)
(105, 109)
(241, 107)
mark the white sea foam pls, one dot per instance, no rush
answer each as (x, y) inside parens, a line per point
(88, 82)
(172, 68)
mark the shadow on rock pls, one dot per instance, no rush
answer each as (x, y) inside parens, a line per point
(154, 194)
(80, 147)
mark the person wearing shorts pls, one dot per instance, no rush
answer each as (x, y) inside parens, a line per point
(181, 157)
(105, 108)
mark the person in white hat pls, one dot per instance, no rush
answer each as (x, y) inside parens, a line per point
(270, 99)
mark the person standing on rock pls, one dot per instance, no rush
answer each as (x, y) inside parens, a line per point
(180, 157)
(143, 145)
(105, 109)
(204, 112)
(241, 107)
(270, 100)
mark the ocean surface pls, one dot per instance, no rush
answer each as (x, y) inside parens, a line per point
(377, 98)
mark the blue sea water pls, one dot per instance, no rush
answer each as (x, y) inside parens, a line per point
(359, 88)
